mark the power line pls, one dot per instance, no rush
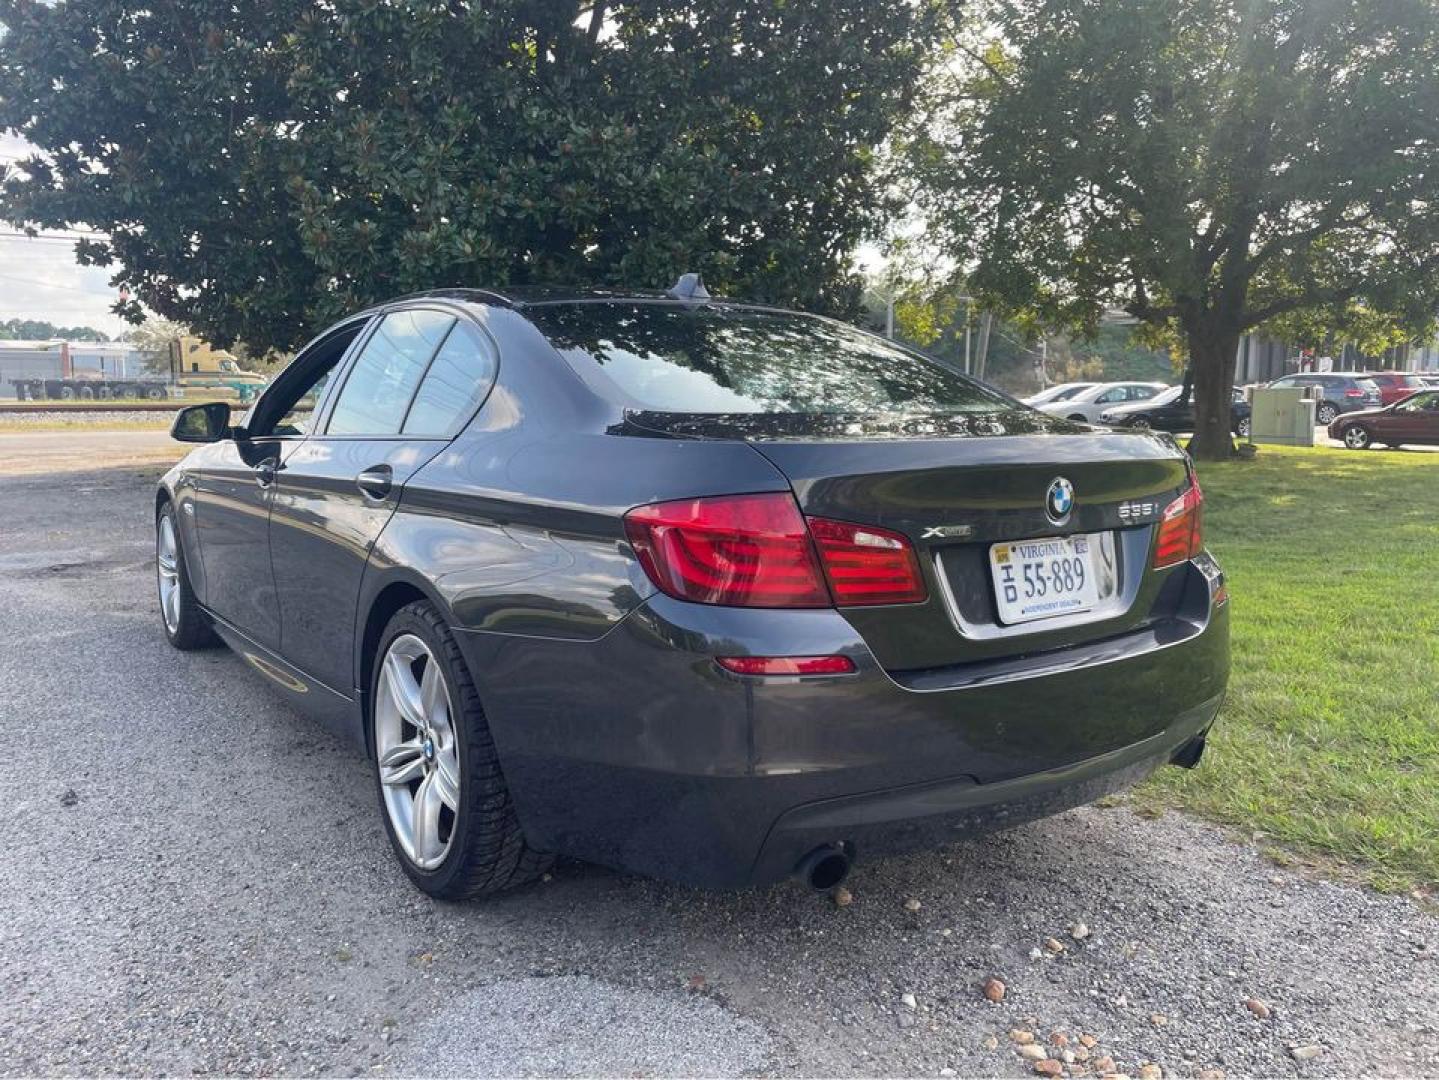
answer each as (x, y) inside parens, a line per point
(52, 285)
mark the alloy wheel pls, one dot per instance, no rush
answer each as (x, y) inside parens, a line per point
(167, 573)
(1356, 438)
(415, 748)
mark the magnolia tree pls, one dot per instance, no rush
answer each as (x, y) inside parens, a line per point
(260, 168)
(1211, 167)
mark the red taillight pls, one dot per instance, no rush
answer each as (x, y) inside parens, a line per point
(867, 565)
(1353, 393)
(1181, 529)
(741, 550)
(787, 665)
(758, 551)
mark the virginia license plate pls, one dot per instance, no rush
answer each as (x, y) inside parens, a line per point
(1039, 579)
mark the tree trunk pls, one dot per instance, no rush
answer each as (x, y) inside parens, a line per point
(1212, 357)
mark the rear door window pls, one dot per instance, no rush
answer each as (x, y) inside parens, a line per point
(720, 359)
(459, 376)
(383, 380)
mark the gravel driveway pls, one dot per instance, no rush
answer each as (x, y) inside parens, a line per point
(193, 878)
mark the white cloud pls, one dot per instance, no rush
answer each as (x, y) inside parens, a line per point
(39, 278)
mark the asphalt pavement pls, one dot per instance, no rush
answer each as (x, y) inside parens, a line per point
(193, 878)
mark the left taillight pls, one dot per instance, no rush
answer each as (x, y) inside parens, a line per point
(760, 551)
(1181, 529)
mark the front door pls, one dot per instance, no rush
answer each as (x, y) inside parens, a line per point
(406, 391)
(234, 487)
(1413, 420)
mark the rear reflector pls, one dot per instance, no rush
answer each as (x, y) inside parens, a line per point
(739, 550)
(1181, 529)
(759, 551)
(867, 565)
(787, 665)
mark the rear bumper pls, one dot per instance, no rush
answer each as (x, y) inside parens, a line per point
(636, 751)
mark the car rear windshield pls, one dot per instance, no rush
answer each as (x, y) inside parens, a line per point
(718, 359)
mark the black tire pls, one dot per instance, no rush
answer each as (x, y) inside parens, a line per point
(488, 852)
(1078, 418)
(192, 628)
(1328, 413)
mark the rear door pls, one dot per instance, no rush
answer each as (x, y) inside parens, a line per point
(415, 379)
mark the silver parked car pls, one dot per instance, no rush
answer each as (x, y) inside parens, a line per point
(1087, 405)
(1061, 392)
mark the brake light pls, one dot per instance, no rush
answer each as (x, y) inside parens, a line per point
(739, 550)
(787, 665)
(867, 565)
(759, 551)
(1352, 392)
(1181, 529)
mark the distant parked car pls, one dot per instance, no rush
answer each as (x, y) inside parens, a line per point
(1173, 410)
(1086, 405)
(1343, 392)
(1414, 420)
(1062, 392)
(1395, 385)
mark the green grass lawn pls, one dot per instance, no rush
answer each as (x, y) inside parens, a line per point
(1329, 742)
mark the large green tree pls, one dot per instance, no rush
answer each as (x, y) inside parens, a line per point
(1209, 166)
(261, 166)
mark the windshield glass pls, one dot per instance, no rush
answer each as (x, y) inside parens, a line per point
(720, 359)
(1069, 391)
(1164, 397)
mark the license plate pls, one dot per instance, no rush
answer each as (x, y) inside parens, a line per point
(1039, 579)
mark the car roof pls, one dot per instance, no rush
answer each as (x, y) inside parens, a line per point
(523, 296)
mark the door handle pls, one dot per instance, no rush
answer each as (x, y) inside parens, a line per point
(265, 472)
(376, 481)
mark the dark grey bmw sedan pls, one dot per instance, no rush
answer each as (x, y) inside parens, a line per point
(704, 590)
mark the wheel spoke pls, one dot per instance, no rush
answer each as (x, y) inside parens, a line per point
(447, 782)
(403, 689)
(172, 605)
(402, 763)
(427, 821)
(433, 702)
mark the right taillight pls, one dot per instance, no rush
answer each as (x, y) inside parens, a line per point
(759, 551)
(1181, 529)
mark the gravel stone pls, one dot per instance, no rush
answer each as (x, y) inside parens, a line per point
(578, 1026)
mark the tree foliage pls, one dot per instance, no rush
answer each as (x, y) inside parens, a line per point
(1211, 166)
(41, 330)
(262, 167)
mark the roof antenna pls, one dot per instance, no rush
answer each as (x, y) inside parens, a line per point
(689, 287)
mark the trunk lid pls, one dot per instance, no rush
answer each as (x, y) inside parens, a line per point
(955, 486)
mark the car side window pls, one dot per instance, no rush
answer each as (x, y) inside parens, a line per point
(1141, 393)
(1111, 396)
(287, 407)
(459, 376)
(382, 382)
(1419, 403)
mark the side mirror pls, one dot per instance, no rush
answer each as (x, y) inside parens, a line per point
(202, 423)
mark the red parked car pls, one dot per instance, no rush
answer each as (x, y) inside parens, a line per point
(1414, 419)
(1394, 385)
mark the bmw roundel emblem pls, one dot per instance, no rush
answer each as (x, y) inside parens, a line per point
(1060, 500)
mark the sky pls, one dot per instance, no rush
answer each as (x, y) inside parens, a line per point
(40, 280)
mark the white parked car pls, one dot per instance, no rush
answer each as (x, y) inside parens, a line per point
(1088, 404)
(1061, 392)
